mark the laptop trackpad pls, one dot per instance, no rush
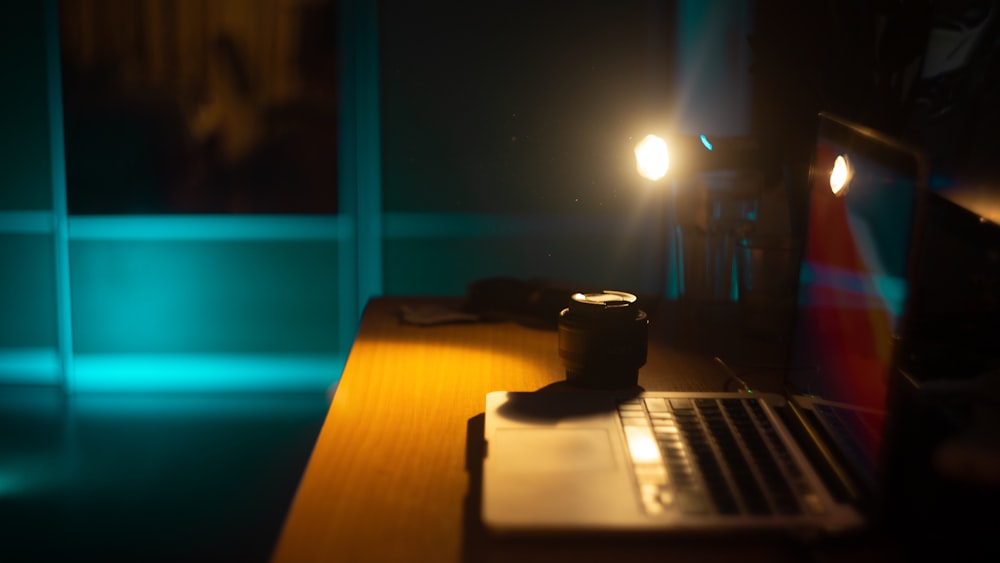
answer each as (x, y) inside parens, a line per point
(552, 449)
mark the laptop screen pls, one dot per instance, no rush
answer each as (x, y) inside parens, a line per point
(853, 284)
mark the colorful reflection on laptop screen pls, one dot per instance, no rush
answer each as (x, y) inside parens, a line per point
(853, 277)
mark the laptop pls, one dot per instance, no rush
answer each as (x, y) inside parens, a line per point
(806, 459)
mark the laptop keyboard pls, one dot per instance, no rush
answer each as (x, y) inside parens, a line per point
(712, 456)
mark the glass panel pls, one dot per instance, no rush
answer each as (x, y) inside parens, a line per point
(24, 105)
(189, 106)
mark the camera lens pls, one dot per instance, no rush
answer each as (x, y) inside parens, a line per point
(602, 339)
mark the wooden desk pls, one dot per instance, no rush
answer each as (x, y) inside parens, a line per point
(388, 478)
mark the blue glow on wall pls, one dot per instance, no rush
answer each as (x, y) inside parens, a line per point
(207, 373)
(195, 297)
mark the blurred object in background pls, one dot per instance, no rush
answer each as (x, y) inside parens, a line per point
(768, 274)
(200, 107)
(954, 114)
(853, 58)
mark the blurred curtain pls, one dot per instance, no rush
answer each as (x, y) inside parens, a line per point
(163, 44)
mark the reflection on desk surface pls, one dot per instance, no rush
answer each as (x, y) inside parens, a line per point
(149, 477)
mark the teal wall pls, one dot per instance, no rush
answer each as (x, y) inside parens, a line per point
(532, 109)
(28, 325)
(156, 304)
(445, 265)
(204, 297)
(516, 131)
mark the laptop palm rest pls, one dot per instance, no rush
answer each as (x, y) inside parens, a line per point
(557, 450)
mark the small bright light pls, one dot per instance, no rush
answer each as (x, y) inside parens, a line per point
(706, 142)
(652, 158)
(840, 176)
(642, 445)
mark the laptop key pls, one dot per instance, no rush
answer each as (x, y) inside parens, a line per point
(656, 405)
(681, 404)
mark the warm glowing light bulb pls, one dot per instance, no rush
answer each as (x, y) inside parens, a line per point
(652, 158)
(840, 176)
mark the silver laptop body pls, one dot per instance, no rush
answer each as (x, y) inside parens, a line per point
(646, 462)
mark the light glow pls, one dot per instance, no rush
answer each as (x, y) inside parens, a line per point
(706, 142)
(840, 177)
(642, 445)
(652, 158)
(206, 373)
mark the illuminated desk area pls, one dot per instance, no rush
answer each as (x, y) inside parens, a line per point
(389, 481)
